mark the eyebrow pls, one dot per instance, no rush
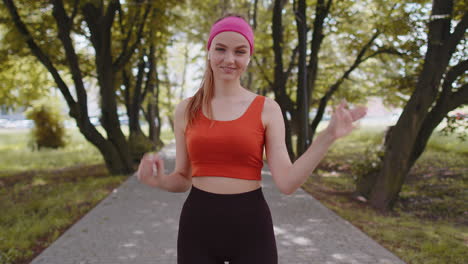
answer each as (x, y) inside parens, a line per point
(238, 47)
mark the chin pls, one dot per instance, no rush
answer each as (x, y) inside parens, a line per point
(228, 77)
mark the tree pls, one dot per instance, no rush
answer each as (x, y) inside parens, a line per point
(441, 87)
(356, 42)
(94, 20)
(140, 92)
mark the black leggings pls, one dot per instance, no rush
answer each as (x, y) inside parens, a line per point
(214, 228)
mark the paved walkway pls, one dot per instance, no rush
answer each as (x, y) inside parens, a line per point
(138, 224)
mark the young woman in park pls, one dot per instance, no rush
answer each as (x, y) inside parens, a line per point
(220, 135)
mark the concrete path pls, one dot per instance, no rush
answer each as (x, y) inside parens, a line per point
(138, 224)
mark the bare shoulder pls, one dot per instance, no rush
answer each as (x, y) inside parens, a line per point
(271, 111)
(182, 105)
(271, 104)
(180, 112)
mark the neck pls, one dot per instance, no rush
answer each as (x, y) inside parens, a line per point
(223, 88)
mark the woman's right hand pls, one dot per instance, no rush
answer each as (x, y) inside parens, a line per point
(150, 169)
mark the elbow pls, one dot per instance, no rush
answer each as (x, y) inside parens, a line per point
(284, 186)
(287, 190)
(188, 187)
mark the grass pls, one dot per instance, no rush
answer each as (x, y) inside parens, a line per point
(428, 224)
(43, 193)
(18, 157)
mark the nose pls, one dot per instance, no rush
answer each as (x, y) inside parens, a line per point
(229, 57)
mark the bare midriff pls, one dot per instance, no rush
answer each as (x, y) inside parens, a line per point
(224, 185)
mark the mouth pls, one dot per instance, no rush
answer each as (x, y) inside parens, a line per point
(228, 69)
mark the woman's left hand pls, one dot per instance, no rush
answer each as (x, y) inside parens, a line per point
(341, 123)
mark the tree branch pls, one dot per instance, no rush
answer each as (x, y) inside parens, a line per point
(365, 48)
(388, 50)
(127, 53)
(75, 10)
(110, 13)
(40, 55)
(150, 76)
(64, 25)
(457, 34)
(459, 97)
(329, 3)
(130, 30)
(454, 73)
(356, 63)
(262, 71)
(291, 62)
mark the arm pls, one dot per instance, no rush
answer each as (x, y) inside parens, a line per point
(290, 176)
(180, 180)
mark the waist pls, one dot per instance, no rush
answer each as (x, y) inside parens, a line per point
(227, 170)
(225, 185)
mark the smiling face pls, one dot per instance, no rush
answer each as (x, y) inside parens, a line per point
(229, 55)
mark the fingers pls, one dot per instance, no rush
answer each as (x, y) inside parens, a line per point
(344, 104)
(160, 165)
(151, 157)
(355, 113)
(156, 160)
(358, 112)
(343, 114)
(151, 165)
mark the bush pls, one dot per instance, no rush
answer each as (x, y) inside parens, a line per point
(366, 169)
(48, 131)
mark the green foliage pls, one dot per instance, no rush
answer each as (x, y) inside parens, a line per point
(23, 81)
(48, 128)
(139, 144)
(456, 123)
(10, 255)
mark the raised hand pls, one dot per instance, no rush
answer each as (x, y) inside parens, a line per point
(150, 169)
(341, 123)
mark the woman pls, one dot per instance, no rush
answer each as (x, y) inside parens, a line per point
(220, 135)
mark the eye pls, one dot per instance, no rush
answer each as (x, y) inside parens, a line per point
(241, 51)
(220, 49)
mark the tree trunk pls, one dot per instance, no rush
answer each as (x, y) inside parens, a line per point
(154, 119)
(137, 98)
(280, 78)
(100, 28)
(302, 99)
(408, 136)
(321, 12)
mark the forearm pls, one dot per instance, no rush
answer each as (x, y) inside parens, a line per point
(174, 182)
(301, 169)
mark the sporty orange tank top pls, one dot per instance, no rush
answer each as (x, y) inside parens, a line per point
(231, 148)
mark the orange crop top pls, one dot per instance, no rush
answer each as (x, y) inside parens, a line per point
(231, 148)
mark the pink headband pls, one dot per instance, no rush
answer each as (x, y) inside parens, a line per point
(235, 24)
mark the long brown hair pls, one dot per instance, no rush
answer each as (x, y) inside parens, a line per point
(204, 95)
